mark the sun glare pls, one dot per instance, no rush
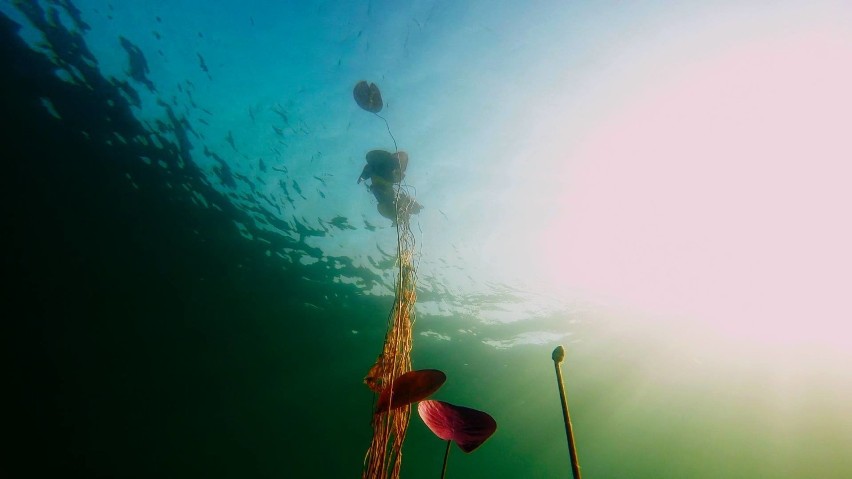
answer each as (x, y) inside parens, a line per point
(722, 196)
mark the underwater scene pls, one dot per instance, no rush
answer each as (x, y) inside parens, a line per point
(426, 239)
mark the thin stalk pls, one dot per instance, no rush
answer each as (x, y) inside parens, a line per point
(446, 455)
(558, 356)
(395, 148)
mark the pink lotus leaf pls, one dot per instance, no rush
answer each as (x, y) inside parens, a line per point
(469, 428)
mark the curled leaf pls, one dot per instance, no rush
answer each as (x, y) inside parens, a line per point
(467, 427)
(385, 166)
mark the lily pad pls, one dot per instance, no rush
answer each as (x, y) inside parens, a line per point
(368, 96)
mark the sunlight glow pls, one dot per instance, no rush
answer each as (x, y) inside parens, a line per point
(721, 197)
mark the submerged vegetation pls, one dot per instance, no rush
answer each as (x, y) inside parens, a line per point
(391, 377)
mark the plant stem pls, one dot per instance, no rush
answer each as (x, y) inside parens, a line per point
(558, 355)
(446, 455)
(395, 148)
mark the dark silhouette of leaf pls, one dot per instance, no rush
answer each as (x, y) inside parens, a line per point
(368, 96)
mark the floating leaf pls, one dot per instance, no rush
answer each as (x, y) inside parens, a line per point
(385, 165)
(387, 210)
(469, 428)
(368, 96)
(410, 387)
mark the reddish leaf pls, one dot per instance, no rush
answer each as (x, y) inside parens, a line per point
(469, 428)
(410, 387)
(368, 96)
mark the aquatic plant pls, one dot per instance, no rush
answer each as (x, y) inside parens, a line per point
(409, 388)
(390, 422)
(558, 356)
(368, 96)
(467, 427)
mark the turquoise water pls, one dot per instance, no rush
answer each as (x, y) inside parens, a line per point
(202, 284)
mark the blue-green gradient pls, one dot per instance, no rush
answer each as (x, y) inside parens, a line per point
(199, 284)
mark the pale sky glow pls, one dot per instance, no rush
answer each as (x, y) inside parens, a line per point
(721, 195)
